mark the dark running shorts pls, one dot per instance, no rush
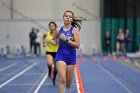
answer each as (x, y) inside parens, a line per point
(53, 54)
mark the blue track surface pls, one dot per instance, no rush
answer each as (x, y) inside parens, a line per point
(108, 76)
(24, 75)
(29, 81)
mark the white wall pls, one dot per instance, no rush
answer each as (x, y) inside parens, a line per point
(5, 14)
(49, 9)
(17, 32)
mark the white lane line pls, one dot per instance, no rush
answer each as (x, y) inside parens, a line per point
(27, 74)
(36, 82)
(41, 83)
(77, 83)
(15, 71)
(127, 89)
(137, 64)
(14, 77)
(73, 84)
(7, 67)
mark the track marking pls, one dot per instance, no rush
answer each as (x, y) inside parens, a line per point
(41, 83)
(137, 64)
(14, 77)
(36, 82)
(24, 74)
(127, 89)
(14, 72)
(73, 84)
(78, 87)
(7, 67)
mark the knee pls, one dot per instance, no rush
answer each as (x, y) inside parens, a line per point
(63, 80)
(50, 63)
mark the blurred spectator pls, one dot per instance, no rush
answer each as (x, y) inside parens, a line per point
(120, 42)
(107, 43)
(32, 37)
(127, 40)
(38, 42)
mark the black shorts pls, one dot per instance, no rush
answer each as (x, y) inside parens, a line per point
(53, 54)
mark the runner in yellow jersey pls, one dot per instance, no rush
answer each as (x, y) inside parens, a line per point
(51, 49)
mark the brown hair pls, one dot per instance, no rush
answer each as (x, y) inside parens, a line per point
(77, 21)
(52, 22)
